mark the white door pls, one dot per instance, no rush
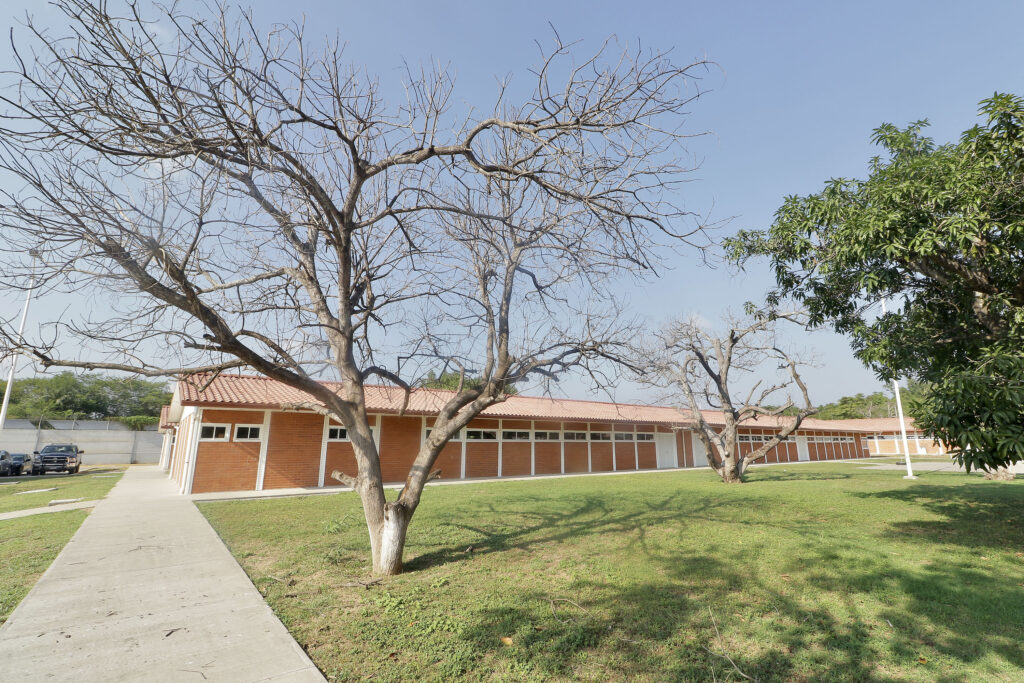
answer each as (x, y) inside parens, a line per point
(665, 444)
(700, 457)
(801, 448)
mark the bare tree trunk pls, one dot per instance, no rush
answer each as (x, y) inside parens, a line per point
(387, 561)
(731, 471)
(1000, 474)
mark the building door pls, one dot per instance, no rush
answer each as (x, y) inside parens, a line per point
(801, 448)
(700, 457)
(665, 445)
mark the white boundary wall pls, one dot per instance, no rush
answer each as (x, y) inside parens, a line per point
(101, 446)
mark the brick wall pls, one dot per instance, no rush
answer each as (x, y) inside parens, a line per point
(398, 444)
(293, 450)
(226, 466)
(549, 458)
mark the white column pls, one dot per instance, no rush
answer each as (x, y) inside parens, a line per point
(590, 458)
(533, 450)
(499, 447)
(261, 469)
(323, 452)
(561, 443)
(636, 450)
(192, 451)
(462, 471)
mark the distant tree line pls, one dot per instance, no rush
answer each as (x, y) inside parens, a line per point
(878, 404)
(136, 402)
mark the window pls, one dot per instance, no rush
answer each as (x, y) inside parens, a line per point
(481, 435)
(337, 434)
(644, 436)
(457, 436)
(575, 436)
(247, 432)
(515, 436)
(623, 436)
(213, 432)
(600, 436)
(547, 436)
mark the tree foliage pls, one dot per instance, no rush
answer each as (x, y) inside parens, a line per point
(455, 381)
(877, 404)
(89, 396)
(940, 228)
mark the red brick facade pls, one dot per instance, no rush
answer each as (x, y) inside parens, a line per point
(293, 449)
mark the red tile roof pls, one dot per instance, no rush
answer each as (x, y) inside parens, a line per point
(261, 392)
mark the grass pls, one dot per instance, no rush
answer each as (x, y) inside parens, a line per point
(814, 572)
(86, 484)
(27, 547)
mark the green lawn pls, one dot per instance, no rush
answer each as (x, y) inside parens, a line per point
(27, 547)
(812, 572)
(91, 484)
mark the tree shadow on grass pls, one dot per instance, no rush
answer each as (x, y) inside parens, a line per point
(701, 607)
(681, 630)
(539, 525)
(775, 473)
(983, 515)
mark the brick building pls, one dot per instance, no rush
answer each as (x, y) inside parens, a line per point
(246, 433)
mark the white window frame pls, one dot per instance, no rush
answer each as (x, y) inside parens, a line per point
(547, 432)
(577, 435)
(624, 436)
(495, 431)
(607, 436)
(225, 425)
(259, 438)
(645, 436)
(339, 439)
(517, 435)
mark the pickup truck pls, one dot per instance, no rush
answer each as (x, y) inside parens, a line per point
(57, 457)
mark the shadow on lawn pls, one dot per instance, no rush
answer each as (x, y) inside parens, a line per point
(775, 473)
(978, 516)
(593, 515)
(772, 631)
(810, 626)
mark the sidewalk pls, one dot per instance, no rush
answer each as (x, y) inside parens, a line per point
(146, 591)
(80, 505)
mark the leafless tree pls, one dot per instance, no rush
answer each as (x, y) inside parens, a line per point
(231, 198)
(704, 367)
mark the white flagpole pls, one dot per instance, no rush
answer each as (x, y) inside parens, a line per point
(903, 426)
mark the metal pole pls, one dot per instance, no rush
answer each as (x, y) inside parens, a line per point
(14, 357)
(903, 426)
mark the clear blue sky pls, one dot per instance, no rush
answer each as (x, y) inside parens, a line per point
(798, 89)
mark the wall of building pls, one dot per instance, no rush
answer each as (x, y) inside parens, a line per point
(892, 444)
(294, 449)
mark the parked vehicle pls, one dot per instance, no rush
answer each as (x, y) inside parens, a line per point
(6, 464)
(57, 457)
(22, 462)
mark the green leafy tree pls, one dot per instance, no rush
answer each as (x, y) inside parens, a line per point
(451, 380)
(939, 228)
(66, 395)
(877, 404)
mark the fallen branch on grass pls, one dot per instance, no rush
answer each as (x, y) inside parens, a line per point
(718, 637)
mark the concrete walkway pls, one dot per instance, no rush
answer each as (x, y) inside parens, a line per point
(80, 505)
(146, 591)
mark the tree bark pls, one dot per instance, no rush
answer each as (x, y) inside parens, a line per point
(1000, 474)
(732, 471)
(390, 545)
